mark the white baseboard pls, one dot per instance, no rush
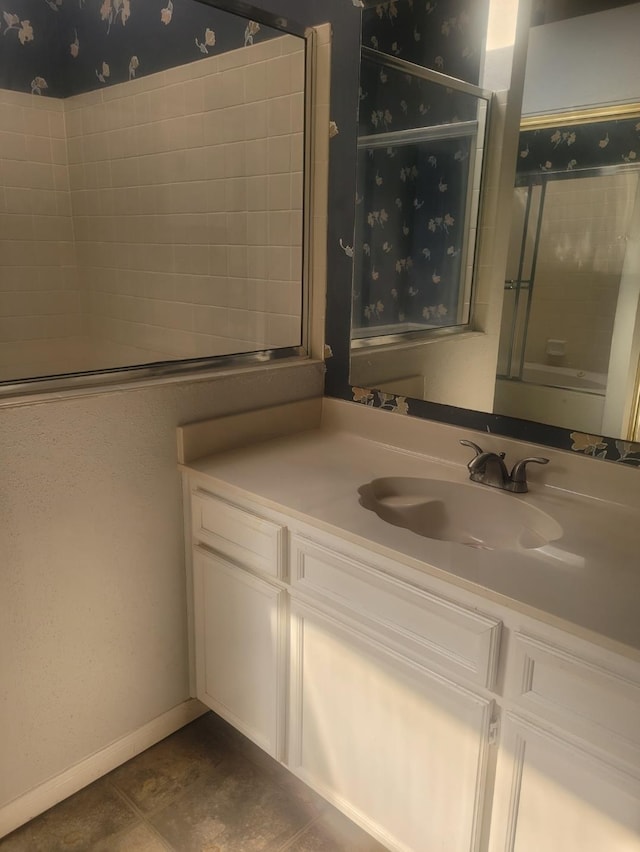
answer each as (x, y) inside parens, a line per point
(44, 796)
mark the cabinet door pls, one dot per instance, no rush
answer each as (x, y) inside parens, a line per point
(240, 646)
(400, 750)
(554, 796)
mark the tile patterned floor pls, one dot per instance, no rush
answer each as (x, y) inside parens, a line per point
(203, 789)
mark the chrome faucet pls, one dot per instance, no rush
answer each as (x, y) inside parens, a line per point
(490, 469)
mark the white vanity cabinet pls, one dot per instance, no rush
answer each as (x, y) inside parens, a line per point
(568, 775)
(240, 622)
(387, 702)
(433, 717)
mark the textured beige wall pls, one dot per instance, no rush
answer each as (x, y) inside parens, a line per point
(93, 636)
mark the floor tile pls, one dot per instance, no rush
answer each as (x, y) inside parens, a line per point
(163, 772)
(242, 810)
(138, 839)
(333, 832)
(76, 824)
(276, 771)
(206, 788)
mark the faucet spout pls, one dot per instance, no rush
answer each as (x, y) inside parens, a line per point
(489, 469)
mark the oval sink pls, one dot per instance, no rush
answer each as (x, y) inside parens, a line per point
(468, 514)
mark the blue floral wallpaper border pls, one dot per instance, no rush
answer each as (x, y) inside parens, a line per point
(571, 147)
(611, 449)
(61, 48)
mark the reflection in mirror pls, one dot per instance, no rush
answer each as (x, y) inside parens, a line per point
(152, 204)
(568, 348)
(419, 166)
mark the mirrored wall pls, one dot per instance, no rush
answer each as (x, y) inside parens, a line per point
(553, 348)
(151, 200)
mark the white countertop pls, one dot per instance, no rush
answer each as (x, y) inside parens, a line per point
(588, 581)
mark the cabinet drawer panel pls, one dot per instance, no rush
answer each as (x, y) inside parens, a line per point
(577, 694)
(244, 537)
(445, 633)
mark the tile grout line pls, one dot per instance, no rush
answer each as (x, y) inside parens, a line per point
(136, 810)
(298, 834)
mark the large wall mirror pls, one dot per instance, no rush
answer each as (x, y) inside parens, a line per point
(564, 358)
(151, 186)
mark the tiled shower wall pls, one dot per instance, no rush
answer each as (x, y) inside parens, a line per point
(186, 193)
(40, 319)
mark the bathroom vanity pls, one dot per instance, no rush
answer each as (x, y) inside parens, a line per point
(443, 696)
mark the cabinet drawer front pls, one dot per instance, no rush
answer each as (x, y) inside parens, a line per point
(584, 698)
(445, 633)
(246, 538)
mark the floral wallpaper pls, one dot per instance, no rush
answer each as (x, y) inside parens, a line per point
(31, 47)
(410, 206)
(64, 47)
(599, 447)
(411, 202)
(579, 146)
(444, 35)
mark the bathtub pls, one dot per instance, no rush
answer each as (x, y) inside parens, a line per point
(564, 377)
(560, 396)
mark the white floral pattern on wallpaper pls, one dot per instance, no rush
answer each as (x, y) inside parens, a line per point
(251, 30)
(208, 40)
(38, 85)
(410, 199)
(77, 47)
(115, 10)
(103, 73)
(23, 28)
(440, 35)
(583, 146)
(379, 399)
(166, 13)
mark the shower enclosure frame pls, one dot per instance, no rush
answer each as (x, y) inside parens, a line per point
(365, 337)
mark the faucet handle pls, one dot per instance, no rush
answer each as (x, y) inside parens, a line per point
(479, 451)
(473, 446)
(519, 472)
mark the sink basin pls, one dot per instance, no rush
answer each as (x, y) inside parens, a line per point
(474, 515)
